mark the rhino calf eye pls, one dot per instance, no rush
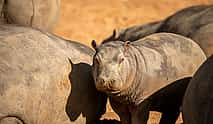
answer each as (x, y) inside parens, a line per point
(121, 60)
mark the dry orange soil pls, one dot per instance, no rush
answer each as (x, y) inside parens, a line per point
(85, 20)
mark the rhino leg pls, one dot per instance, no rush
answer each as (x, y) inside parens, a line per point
(122, 111)
(132, 114)
(11, 120)
(169, 100)
(169, 117)
(140, 114)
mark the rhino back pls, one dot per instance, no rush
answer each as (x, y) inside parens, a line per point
(76, 51)
(135, 32)
(167, 58)
(193, 22)
(204, 38)
(187, 20)
(37, 82)
(34, 78)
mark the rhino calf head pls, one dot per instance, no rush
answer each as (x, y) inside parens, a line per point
(111, 67)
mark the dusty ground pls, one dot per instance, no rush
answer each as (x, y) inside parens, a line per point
(85, 20)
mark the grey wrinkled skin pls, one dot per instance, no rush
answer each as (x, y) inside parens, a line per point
(195, 22)
(45, 79)
(197, 103)
(41, 14)
(133, 74)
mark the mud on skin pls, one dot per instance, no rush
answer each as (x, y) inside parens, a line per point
(41, 77)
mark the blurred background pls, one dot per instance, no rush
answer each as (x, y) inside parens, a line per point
(85, 20)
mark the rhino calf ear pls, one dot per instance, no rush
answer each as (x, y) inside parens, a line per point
(94, 45)
(114, 34)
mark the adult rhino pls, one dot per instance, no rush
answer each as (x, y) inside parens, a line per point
(146, 75)
(134, 33)
(42, 14)
(45, 79)
(195, 22)
(197, 103)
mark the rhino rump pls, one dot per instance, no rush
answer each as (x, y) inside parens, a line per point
(38, 83)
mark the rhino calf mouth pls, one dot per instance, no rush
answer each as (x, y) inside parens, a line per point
(107, 86)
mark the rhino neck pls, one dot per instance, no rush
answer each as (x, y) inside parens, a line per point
(133, 94)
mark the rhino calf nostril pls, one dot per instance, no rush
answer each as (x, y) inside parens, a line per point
(101, 81)
(112, 81)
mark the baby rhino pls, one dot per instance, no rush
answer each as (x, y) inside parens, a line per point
(136, 75)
